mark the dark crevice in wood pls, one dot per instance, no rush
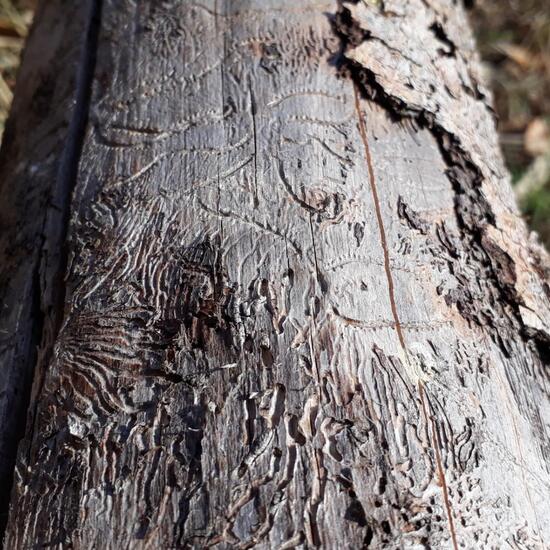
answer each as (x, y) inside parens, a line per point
(441, 35)
(48, 288)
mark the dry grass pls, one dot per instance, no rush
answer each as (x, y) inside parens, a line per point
(514, 40)
(15, 19)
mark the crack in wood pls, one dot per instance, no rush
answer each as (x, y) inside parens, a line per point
(440, 470)
(393, 305)
(379, 218)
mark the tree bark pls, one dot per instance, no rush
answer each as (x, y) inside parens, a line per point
(284, 297)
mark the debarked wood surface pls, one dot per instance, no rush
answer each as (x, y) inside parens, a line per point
(262, 262)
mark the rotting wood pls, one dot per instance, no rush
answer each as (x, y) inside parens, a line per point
(300, 308)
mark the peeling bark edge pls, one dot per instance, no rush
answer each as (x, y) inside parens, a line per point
(48, 285)
(473, 211)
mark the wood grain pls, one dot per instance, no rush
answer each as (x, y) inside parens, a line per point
(299, 307)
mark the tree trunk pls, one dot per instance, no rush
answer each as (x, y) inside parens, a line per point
(282, 292)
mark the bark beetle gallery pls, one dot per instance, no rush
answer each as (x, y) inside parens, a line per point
(264, 285)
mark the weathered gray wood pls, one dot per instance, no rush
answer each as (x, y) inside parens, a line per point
(290, 319)
(37, 170)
